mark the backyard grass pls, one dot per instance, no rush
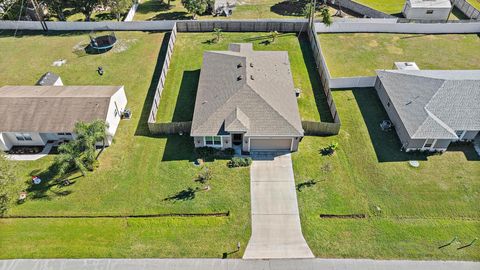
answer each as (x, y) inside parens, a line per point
(178, 97)
(361, 54)
(395, 7)
(247, 9)
(138, 174)
(474, 3)
(419, 209)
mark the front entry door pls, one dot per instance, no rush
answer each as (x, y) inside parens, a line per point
(237, 139)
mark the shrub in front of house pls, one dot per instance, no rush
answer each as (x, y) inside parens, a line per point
(239, 162)
(207, 152)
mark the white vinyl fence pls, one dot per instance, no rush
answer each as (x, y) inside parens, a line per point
(131, 13)
(391, 26)
(467, 9)
(89, 26)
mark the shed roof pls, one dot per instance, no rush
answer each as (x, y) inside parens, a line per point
(52, 108)
(247, 90)
(430, 3)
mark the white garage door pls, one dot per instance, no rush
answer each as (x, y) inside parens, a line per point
(270, 144)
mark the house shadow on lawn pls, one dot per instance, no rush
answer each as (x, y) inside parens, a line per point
(178, 148)
(142, 127)
(320, 98)
(386, 143)
(185, 104)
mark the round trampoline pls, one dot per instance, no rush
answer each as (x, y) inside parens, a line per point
(102, 42)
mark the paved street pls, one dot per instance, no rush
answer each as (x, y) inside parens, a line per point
(219, 264)
(276, 230)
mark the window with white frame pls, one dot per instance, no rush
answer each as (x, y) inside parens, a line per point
(213, 140)
(429, 143)
(429, 11)
(23, 136)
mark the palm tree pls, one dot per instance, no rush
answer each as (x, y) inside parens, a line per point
(70, 158)
(89, 134)
(217, 33)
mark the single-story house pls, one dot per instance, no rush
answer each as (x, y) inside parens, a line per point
(246, 98)
(36, 115)
(431, 108)
(435, 10)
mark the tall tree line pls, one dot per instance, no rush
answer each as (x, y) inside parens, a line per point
(15, 9)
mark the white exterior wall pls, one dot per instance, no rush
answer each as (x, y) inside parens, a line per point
(5, 143)
(420, 13)
(37, 140)
(117, 102)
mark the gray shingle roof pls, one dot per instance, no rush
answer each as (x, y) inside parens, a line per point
(48, 78)
(246, 89)
(52, 108)
(434, 104)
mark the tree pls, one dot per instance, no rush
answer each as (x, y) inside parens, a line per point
(86, 7)
(119, 7)
(56, 8)
(7, 180)
(71, 158)
(80, 154)
(217, 33)
(326, 17)
(196, 7)
(89, 134)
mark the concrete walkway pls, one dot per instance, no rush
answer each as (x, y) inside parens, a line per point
(25, 157)
(276, 231)
(219, 264)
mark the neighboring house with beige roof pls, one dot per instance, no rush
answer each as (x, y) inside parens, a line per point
(35, 115)
(246, 98)
(431, 108)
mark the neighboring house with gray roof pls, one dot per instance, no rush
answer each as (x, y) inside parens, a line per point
(431, 108)
(36, 115)
(246, 98)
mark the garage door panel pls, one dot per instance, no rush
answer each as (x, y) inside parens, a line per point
(270, 144)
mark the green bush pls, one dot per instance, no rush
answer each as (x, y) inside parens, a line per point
(239, 162)
(207, 152)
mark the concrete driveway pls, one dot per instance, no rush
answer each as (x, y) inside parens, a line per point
(276, 231)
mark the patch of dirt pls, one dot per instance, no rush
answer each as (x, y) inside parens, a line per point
(123, 45)
(373, 43)
(394, 50)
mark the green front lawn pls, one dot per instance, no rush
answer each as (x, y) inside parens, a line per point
(419, 209)
(178, 97)
(138, 174)
(361, 54)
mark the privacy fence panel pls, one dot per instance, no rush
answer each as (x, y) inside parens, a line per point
(320, 128)
(391, 26)
(467, 9)
(243, 26)
(170, 128)
(163, 76)
(359, 8)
